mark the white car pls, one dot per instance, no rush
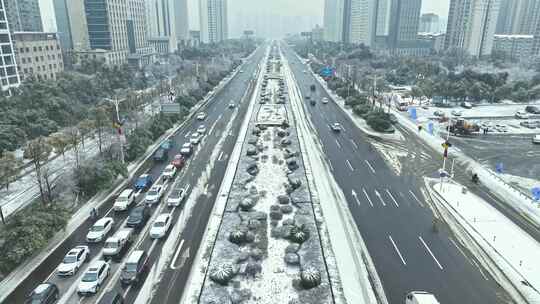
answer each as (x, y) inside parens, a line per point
(522, 115)
(160, 226)
(93, 278)
(124, 200)
(336, 127)
(325, 100)
(99, 230)
(201, 129)
(73, 260)
(176, 197)
(195, 138)
(169, 172)
(201, 116)
(231, 105)
(186, 149)
(154, 194)
(536, 139)
(457, 113)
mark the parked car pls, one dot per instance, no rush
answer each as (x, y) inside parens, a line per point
(195, 138)
(154, 194)
(138, 216)
(529, 124)
(336, 127)
(134, 268)
(160, 226)
(169, 172)
(116, 245)
(187, 149)
(144, 182)
(93, 278)
(160, 155)
(176, 197)
(201, 116)
(456, 113)
(466, 105)
(438, 113)
(73, 261)
(124, 200)
(522, 115)
(532, 109)
(420, 297)
(536, 139)
(44, 293)
(231, 105)
(201, 129)
(324, 100)
(178, 161)
(112, 297)
(100, 230)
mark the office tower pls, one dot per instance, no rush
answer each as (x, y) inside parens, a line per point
(471, 26)
(333, 20)
(71, 24)
(23, 15)
(429, 23)
(362, 22)
(9, 76)
(181, 21)
(404, 21)
(213, 20)
(161, 23)
(518, 17)
(383, 17)
(536, 45)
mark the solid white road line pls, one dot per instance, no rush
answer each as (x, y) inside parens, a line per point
(220, 155)
(331, 167)
(173, 262)
(355, 197)
(354, 144)
(380, 198)
(369, 165)
(349, 164)
(431, 253)
(392, 197)
(338, 144)
(367, 196)
(397, 250)
(416, 198)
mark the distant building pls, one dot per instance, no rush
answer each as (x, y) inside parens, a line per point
(361, 26)
(536, 45)
(38, 54)
(435, 41)
(9, 76)
(161, 45)
(518, 47)
(213, 20)
(161, 23)
(333, 20)
(518, 17)
(429, 23)
(71, 24)
(23, 15)
(383, 18)
(317, 34)
(471, 26)
(403, 31)
(194, 38)
(181, 21)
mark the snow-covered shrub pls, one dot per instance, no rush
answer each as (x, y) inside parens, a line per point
(222, 273)
(274, 208)
(253, 224)
(256, 254)
(250, 237)
(292, 248)
(251, 151)
(283, 199)
(252, 169)
(276, 215)
(253, 268)
(285, 142)
(299, 234)
(286, 209)
(238, 235)
(289, 221)
(292, 259)
(310, 277)
(292, 164)
(282, 133)
(247, 204)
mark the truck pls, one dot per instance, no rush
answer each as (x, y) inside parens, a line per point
(461, 126)
(116, 245)
(420, 297)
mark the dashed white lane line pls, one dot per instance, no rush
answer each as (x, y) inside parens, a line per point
(355, 197)
(370, 166)
(392, 197)
(354, 144)
(367, 196)
(173, 262)
(220, 156)
(430, 252)
(338, 144)
(397, 250)
(380, 198)
(416, 198)
(331, 167)
(349, 164)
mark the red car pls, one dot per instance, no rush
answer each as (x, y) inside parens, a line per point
(178, 161)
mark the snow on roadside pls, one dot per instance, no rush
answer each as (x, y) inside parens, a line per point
(516, 252)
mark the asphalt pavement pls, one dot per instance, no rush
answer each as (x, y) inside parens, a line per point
(219, 116)
(391, 213)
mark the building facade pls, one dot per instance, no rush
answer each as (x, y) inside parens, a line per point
(404, 21)
(471, 26)
(363, 23)
(161, 22)
(71, 24)
(213, 20)
(536, 44)
(9, 76)
(23, 15)
(518, 17)
(434, 40)
(383, 18)
(317, 33)
(516, 47)
(38, 54)
(429, 23)
(333, 20)
(181, 21)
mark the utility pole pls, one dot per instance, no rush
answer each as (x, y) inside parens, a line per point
(116, 102)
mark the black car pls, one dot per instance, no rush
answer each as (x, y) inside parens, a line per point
(160, 155)
(112, 297)
(45, 293)
(136, 265)
(532, 109)
(138, 216)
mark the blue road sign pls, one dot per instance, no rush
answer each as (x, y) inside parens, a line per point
(536, 193)
(327, 72)
(430, 127)
(499, 168)
(412, 113)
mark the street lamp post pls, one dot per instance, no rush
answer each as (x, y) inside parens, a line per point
(116, 102)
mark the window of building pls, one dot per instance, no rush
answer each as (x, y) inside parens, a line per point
(21, 50)
(13, 80)
(45, 76)
(55, 66)
(29, 59)
(2, 71)
(6, 49)
(52, 76)
(42, 58)
(46, 47)
(4, 38)
(35, 49)
(10, 71)
(49, 57)
(39, 68)
(58, 47)
(40, 49)
(53, 57)
(31, 70)
(27, 49)
(37, 59)
(26, 71)
(3, 25)
(4, 82)
(23, 60)
(50, 66)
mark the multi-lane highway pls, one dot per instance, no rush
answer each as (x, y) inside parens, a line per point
(202, 175)
(391, 213)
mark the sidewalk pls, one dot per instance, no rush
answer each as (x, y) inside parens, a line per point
(514, 252)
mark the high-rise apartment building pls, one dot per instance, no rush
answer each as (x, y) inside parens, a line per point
(536, 45)
(429, 23)
(71, 24)
(161, 22)
(181, 21)
(9, 76)
(383, 17)
(471, 26)
(518, 17)
(333, 20)
(404, 21)
(23, 15)
(213, 20)
(362, 22)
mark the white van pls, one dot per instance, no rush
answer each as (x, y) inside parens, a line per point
(420, 297)
(536, 139)
(124, 200)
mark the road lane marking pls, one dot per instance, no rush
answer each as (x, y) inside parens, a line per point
(355, 197)
(220, 155)
(349, 164)
(369, 165)
(187, 135)
(331, 167)
(397, 250)
(176, 255)
(354, 144)
(416, 198)
(380, 197)
(338, 144)
(367, 196)
(430, 252)
(392, 197)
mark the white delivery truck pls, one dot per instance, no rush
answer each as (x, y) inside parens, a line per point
(116, 245)
(420, 297)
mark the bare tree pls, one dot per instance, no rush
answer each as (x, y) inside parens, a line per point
(100, 118)
(10, 167)
(85, 128)
(38, 151)
(74, 139)
(59, 141)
